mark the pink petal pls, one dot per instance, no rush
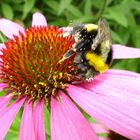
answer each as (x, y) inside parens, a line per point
(27, 125)
(118, 83)
(119, 114)
(38, 117)
(4, 100)
(10, 28)
(8, 116)
(122, 73)
(123, 52)
(39, 20)
(100, 129)
(1, 47)
(67, 122)
(67, 29)
(2, 86)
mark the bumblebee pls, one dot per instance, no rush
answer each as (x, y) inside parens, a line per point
(92, 48)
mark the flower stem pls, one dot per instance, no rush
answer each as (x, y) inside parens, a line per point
(101, 11)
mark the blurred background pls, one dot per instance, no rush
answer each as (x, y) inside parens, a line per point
(123, 17)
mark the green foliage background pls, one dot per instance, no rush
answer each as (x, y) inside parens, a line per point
(122, 15)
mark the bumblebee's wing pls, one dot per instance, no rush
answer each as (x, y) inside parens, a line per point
(103, 30)
(103, 34)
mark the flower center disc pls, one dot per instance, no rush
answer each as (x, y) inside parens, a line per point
(29, 63)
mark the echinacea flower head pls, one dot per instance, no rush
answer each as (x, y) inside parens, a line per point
(30, 63)
(33, 78)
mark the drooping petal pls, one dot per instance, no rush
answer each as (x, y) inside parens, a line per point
(10, 28)
(8, 115)
(27, 125)
(67, 122)
(2, 86)
(38, 117)
(123, 52)
(39, 20)
(119, 114)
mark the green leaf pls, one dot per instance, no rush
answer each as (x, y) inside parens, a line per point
(118, 14)
(128, 64)
(2, 92)
(92, 120)
(133, 65)
(108, 2)
(63, 5)
(74, 10)
(88, 7)
(3, 38)
(47, 121)
(119, 64)
(7, 11)
(97, 3)
(52, 4)
(132, 4)
(131, 19)
(136, 37)
(85, 19)
(124, 34)
(11, 136)
(27, 7)
(17, 1)
(116, 37)
(13, 131)
(102, 135)
(59, 22)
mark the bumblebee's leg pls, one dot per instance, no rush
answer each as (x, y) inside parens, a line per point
(68, 54)
(82, 67)
(76, 48)
(86, 73)
(78, 58)
(90, 74)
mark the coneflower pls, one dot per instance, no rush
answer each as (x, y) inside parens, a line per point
(33, 78)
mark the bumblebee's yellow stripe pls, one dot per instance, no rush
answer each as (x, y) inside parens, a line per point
(96, 61)
(91, 27)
